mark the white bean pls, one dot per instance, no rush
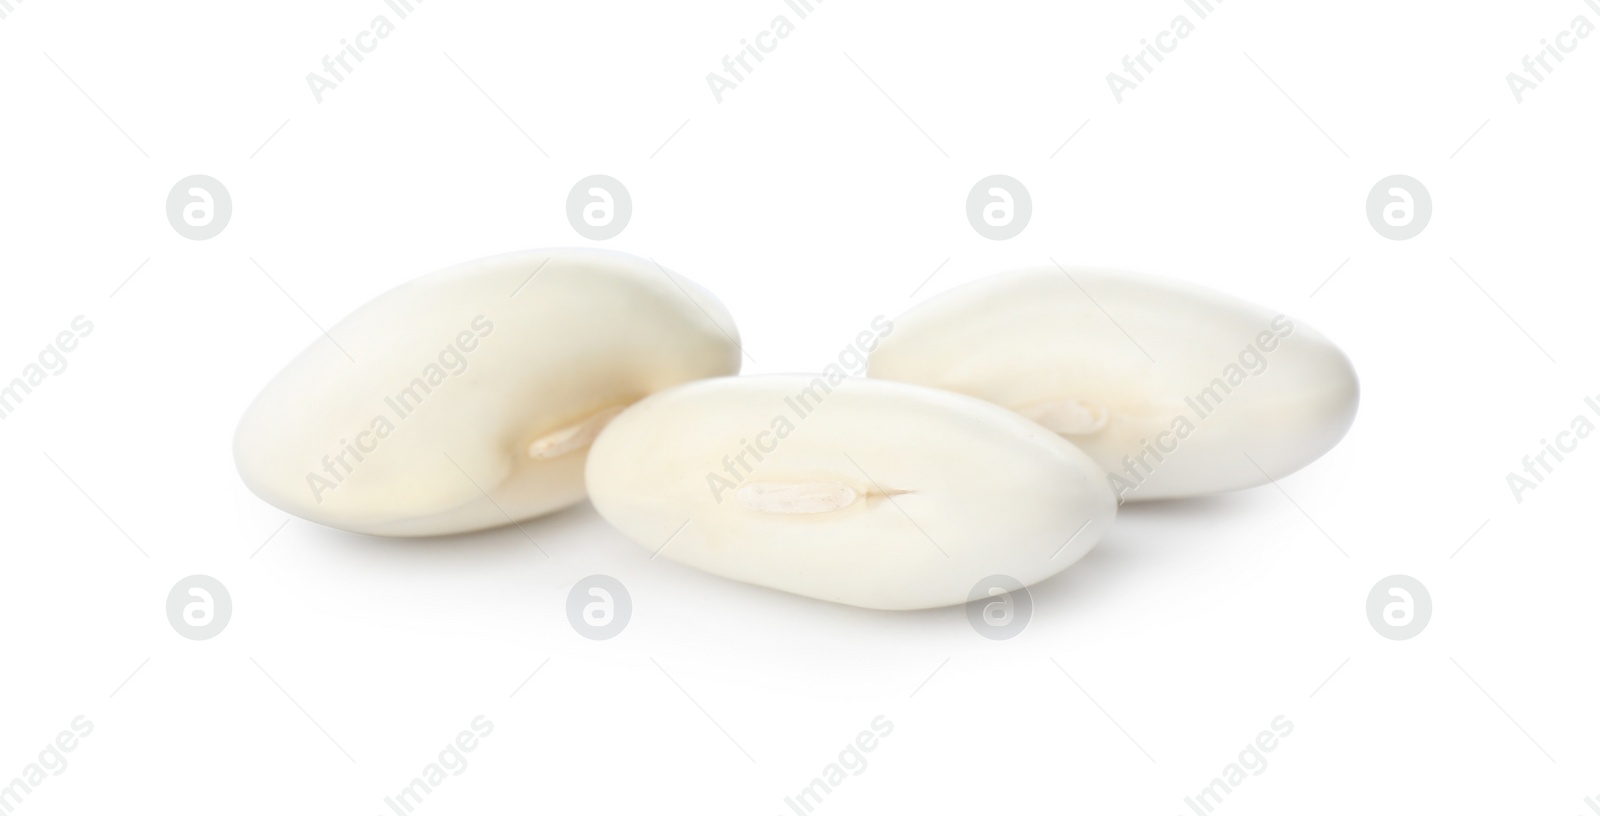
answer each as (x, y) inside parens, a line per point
(1175, 390)
(863, 492)
(467, 398)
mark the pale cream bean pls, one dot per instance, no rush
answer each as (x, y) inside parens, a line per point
(1175, 390)
(468, 398)
(863, 492)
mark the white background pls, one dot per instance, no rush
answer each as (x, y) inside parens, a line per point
(809, 203)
